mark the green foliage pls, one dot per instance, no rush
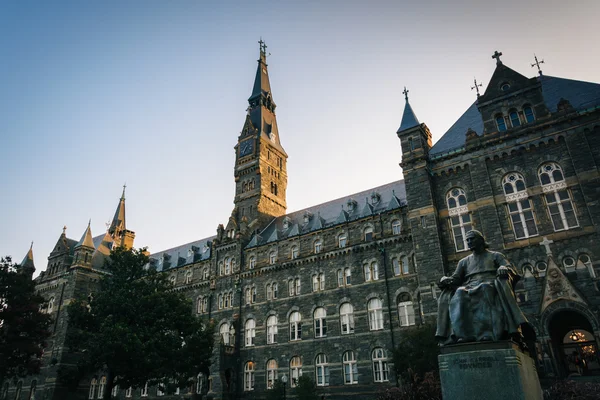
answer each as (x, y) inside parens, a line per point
(306, 389)
(24, 328)
(276, 393)
(426, 388)
(417, 353)
(137, 329)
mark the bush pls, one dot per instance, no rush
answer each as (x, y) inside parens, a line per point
(571, 390)
(415, 388)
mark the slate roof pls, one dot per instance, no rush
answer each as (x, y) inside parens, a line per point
(409, 119)
(582, 96)
(348, 208)
(181, 255)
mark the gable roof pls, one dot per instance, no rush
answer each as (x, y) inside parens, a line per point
(582, 96)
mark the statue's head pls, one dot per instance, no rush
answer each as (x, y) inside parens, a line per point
(475, 240)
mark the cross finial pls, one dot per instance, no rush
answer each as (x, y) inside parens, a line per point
(123, 195)
(497, 57)
(546, 243)
(537, 64)
(263, 47)
(31, 247)
(405, 92)
(476, 87)
(64, 229)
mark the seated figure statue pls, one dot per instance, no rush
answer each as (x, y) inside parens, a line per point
(477, 302)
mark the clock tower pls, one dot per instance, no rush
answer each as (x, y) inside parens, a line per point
(260, 160)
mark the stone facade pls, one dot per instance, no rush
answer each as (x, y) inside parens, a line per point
(521, 165)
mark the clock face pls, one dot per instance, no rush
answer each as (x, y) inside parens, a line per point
(246, 148)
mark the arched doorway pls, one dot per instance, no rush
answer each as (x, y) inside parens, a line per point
(574, 344)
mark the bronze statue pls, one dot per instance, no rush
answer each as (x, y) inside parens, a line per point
(478, 302)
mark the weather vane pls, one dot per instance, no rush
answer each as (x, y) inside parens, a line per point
(405, 92)
(476, 87)
(537, 64)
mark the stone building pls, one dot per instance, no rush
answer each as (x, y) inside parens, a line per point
(328, 291)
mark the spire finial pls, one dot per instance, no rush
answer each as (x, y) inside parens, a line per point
(31, 247)
(123, 195)
(405, 92)
(537, 64)
(263, 47)
(89, 222)
(476, 87)
(64, 229)
(497, 55)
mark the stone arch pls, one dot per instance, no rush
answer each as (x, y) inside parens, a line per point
(566, 305)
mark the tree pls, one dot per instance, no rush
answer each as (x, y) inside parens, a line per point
(416, 353)
(276, 392)
(306, 389)
(136, 329)
(24, 327)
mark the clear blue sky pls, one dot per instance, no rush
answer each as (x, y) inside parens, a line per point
(153, 93)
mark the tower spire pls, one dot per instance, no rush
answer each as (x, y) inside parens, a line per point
(86, 239)
(409, 119)
(118, 223)
(27, 264)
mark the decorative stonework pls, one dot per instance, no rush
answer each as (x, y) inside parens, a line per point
(553, 187)
(458, 211)
(511, 198)
(557, 287)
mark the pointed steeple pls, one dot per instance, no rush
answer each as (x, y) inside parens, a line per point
(86, 239)
(27, 263)
(409, 119)
(118, 223)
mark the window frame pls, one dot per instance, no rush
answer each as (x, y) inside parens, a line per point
(375, 313)
(349, 368)
(320, 322)
(272, 329)
(249, 332)
(380, 365)
(346, 319)
(321, 370)
(249, 372)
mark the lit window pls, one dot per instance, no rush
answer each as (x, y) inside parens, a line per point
(375, 314)
(322, 370)
(272, 257)
(406, 311)
(342, 240)
(380, 366)
(396, 227)
(144, 391)
(318, 246)
(371, 271)
(528, 112)
(250, 332)
(129, 392)
(558, 199)
(249, 376)
(350, 368)
(460, 219)
(101, 387)
(272, 329)
(295, 370)
(519, 206)
(500, 123)
(368, 234)
(320, 316)
(224, 333)
(200, 381)
(93, 385)
(252, 262)
(271, 373)
(514, 119)
(295, 326)
(347, 318)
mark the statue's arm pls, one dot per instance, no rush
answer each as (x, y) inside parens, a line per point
(505, 269)
(456, 278)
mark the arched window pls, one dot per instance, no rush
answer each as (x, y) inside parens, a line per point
(173, 279)
(350, 368)
(371, 271)
(248, 295)
(220, 297)
(188, 277)
(528, 112)
(251, 262)
(500, 123)
(514, 118)
(272, 257)
(380, 366)
(375, 314)
(460, 219)
(50, 305)
(18, 391)
(396, 227)
(129, 392)
(368, 234)
(200, 382)
(318, 246)
(558, 199)
(406, 310)
(528, 271)
(271, 373)
(294, 252)
(320, 320)
(221, 268)
(519, 206)
(587, 262)
(92, 393)
(295, 370)
(342, 240)
(294, 287)
(101, 387)
(249, 376)
(272, 329)
(224, 332)
(250, 332)
(396, 266)
(205, 273)
(295, 326)
(568, 263)
(347, 318)
(199, 305)
(32, 389)
(322, 370)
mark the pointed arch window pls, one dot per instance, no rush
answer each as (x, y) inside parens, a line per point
(205, 273)
(188, 277)
(460, 219)
(350, 368)
(252, 262)
(318, 246)
(294, 252)
(519, 206)
(557, 197)
(273, 257)
(272, 329)
(347, 318)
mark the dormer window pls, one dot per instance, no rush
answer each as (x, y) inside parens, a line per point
(505, 86)
(351, 205)
(514, 118)
(528, 112)
(500, 123)
(375, 197)
(286, 223)
(307, 217)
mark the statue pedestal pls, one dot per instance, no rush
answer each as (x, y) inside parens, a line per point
(488, 370)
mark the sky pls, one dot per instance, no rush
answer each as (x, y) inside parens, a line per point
(153, 94)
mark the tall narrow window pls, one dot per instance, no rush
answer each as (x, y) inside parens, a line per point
(224, 333)
(340, 277)
(371, 271)
(406, 311)
(294, 252)
(396, 227)
(249, 376)
(272, 257)
(460, 219)
(322, 370)
(528, 112)
(144, 391)
(350, 368)
(274, 289)
(558, 199)
(375, 314)
(250, 332)
(368, 234)
(405, 265)
(93, 385)
(295, 370)
(318, 246)
(272, 329)
(252, 262)
(271, 373)
(295, 326)
(348, 276)
(318, 281)
(188, 277)
(347, 318)
(269, 291)
(342, 239)
(205, 273)
(514, 119)
(101, 387)
(33, 388)
(380, 365)
(519, 206)
(129, 392)
(500, 123)
(320, 318)
(396, 266)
